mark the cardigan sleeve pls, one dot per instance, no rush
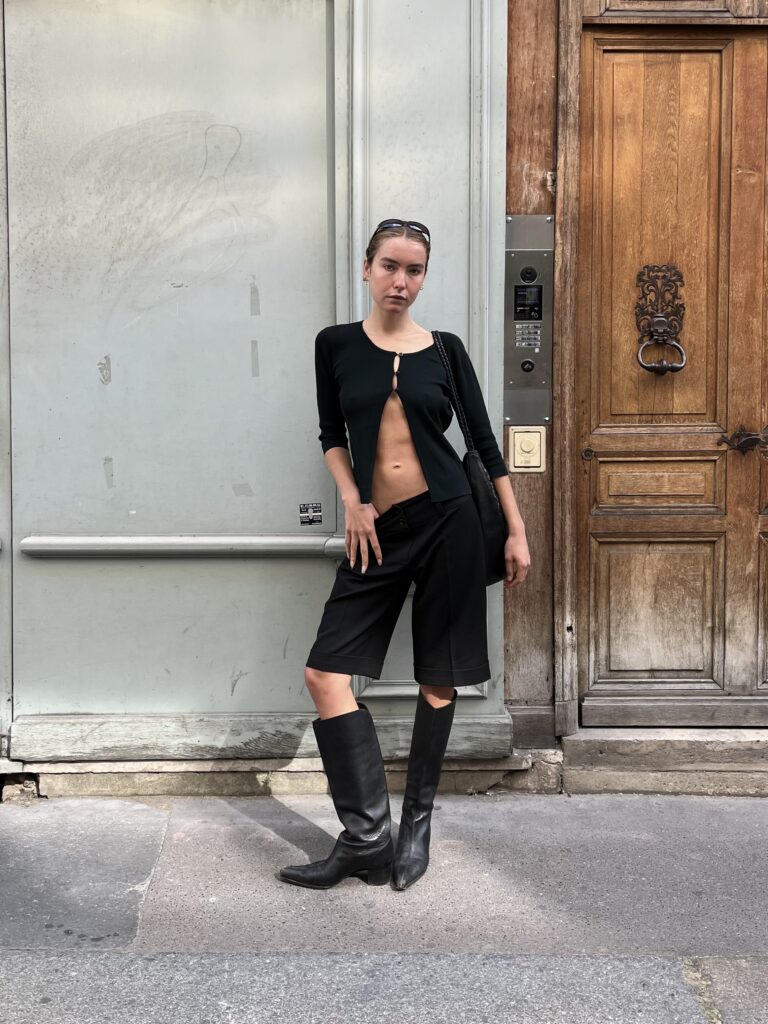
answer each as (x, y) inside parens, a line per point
(475, 411)
(333, 431)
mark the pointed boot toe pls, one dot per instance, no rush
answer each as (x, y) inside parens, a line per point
(412, 852)
(296, 874)
(372, 866)
(404, 875)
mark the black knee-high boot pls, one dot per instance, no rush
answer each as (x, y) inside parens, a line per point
(431, 729)
(351, 755)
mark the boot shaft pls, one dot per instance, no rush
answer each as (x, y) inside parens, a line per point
(431, 731)
(351, 755)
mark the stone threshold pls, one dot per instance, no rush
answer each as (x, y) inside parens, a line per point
(684, 761)
(531, 770)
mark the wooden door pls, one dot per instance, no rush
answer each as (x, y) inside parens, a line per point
(672, 523)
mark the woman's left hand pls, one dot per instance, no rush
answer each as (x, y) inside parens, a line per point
(517, 559)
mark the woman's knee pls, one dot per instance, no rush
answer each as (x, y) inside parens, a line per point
(437, 696)
(325, 684)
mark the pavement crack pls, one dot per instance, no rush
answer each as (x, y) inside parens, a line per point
(700, 982)
(143, 887)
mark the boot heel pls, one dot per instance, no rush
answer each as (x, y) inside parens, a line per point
(375, 876)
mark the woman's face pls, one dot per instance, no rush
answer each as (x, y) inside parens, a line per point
(397, 273)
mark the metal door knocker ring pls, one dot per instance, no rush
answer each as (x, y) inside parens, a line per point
(659, 314)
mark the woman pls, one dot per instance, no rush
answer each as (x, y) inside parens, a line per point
(406, 497)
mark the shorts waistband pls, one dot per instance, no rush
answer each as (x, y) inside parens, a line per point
(416, 511)
(399, 510)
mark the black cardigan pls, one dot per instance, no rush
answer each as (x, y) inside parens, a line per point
(354, 380)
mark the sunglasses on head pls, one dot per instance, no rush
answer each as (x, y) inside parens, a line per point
(395, 222)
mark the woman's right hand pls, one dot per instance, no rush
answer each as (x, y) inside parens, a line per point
(359, 531)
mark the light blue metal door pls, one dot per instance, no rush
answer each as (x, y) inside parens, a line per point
(169, 240)
(190, 189)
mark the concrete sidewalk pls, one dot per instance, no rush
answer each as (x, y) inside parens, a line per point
(536, 908)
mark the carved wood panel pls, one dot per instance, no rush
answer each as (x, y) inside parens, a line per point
(656, 8)
(659, 117)
(671, 569)
(658, 604)
(670, 483)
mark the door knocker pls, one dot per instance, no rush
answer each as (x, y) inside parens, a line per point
(659, 314)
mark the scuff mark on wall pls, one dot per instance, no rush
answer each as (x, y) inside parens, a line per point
(201, 240)
(255, 299)
(109, 471)
(254, 357)
(147, 209)
(243, 489)
(235, 679)
(105, 370)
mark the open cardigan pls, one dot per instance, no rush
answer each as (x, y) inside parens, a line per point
(354, 380)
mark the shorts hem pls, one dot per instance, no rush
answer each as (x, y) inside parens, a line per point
(359, 666)
(456, 676)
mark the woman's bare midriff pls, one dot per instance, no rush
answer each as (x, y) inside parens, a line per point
(397, 472)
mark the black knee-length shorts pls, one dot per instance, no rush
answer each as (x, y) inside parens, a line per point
(438, 545)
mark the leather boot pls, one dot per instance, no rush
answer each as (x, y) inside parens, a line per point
(431, 729)
(351, 755)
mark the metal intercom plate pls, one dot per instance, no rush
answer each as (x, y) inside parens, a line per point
(529, 284)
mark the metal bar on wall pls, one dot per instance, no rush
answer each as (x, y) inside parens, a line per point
(191, 545)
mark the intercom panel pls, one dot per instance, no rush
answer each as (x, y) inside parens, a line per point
(529, 283)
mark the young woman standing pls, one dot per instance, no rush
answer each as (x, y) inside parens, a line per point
(409, 516)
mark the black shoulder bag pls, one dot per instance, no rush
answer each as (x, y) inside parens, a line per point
(486, 499)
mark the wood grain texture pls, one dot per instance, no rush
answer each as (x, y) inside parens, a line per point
(657, 187)
(658, 609)
(670, 572)
(745, 8)
(674, 482)
(683, 11)
(531, 104)
(565, 438)
(712, 19)
(577, 389)
(528, 625)
(746, 318)
(655, 7)
(531, 126)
